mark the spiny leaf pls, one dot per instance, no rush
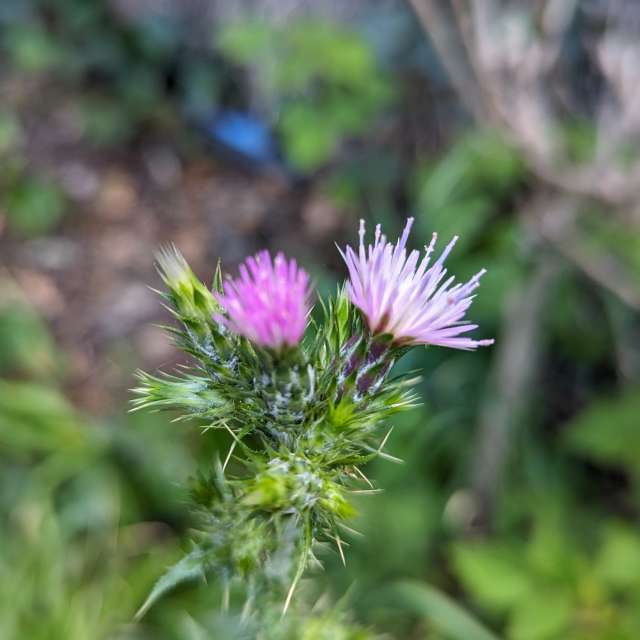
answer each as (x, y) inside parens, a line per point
(189, 569)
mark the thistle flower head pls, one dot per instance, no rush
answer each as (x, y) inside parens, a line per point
(408, 297)
(190, 297)
(268, 303)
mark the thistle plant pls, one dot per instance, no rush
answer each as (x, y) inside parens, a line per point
(307, 403)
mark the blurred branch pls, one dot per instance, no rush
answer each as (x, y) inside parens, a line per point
(504, 77)
(551, 218)
(602, 268)
(507, 74)
(515, 367)
(435, 22)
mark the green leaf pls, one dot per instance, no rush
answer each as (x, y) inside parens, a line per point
(618, 562)
(465, 217)
(607, 430)
(245, 42)
(493, 574)
(189, 569)
(542, 615)
(459, 194)
(25, 344)
(497, 165)
(308, 140)
(550, 552)
(324, 79)
(449, 618)
(36, 418)
(32, 49)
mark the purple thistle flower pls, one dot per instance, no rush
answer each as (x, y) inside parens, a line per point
(268, 303)
(409, 300)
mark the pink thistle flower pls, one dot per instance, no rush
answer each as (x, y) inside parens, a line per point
(268, 303)
(408, 300)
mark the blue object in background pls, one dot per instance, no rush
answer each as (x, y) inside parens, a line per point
(245, 135)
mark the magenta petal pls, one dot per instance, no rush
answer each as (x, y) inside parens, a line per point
(268, 303)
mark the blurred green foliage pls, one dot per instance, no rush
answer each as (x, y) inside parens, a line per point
(562, 559)
(90, 512)
(33, 204)
(590, 433)
(324, 79)
(558, 585)
(73, 561)
(317, 84)
(25, 345)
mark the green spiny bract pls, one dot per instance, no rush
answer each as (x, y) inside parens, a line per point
(303, 420)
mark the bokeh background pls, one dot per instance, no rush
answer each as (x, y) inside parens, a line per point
(226, 127)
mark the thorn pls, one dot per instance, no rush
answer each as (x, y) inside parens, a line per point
(226, 460)
(287, 602)
(384, 440)
(233, 435)
(359, 472)
(339, 543)
(390, 458)
(299, 571)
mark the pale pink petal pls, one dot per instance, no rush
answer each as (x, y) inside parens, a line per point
(402, 295)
